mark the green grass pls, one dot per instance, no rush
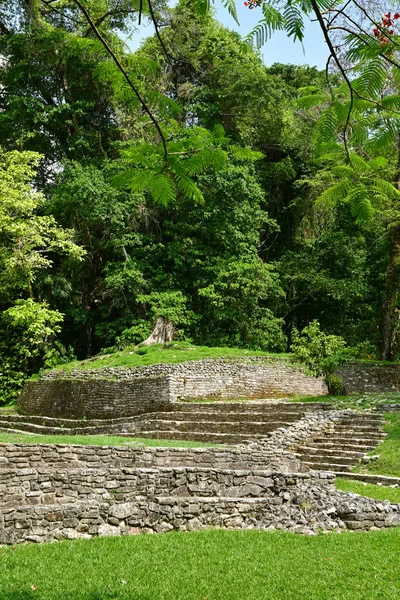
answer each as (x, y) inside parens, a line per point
(355, 401)
(96, 440)
(8, 410)
(210, 565)
(176, 352)
(388, 462)
(378, 492)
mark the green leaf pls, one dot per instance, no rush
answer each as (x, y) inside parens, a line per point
(230, 5)
(162, 189)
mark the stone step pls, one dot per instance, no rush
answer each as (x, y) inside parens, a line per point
(203, 415)
(364, 420)
(352, 438)
(46, 430)
(233, 427)
(218, 406)
(323, 451)
(360, 428)
(67, 423)
(334, 458)
(197, 436)
(362, 448)
(327, 466)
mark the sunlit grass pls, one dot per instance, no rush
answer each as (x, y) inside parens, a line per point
(377, 492)
(175, 352)
(96, 440)
(210, 565)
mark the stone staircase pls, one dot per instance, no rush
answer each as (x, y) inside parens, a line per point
(217, 422)
(342, 447)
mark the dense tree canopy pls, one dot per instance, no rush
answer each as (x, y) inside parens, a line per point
(190, 182)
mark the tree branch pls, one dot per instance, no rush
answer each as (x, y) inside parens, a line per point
(125, 74)
(340, 67)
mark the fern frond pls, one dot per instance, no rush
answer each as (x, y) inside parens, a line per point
(273, 21)
(312, 100)
(197, 164)
(325, 131)
(294, 22)
(359, 164)
(343, 171)
(167, 106)
(360, 204)
(391, 102)
(386, 189)
(383, 139)
(379, 162)
(334, 194)
(162, 189)
(373, 76)
(140, 181)
(230, 5)
(142, 65)
(245, 153)
(188, 187)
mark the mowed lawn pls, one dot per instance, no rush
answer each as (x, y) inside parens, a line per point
(209, 565)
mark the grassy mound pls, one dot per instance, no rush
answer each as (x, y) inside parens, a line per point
(177, 352)
(209, 565)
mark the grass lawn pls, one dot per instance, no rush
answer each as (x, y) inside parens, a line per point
(176, 352)
(209, 565)
(378, 492)
(96, 440)
(388, 462)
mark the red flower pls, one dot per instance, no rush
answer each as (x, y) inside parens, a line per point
(396, 16)
(376, 31)
(391, 32)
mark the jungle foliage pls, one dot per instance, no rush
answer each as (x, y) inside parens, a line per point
(188, 181)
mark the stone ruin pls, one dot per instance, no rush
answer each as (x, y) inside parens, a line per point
(278, 471)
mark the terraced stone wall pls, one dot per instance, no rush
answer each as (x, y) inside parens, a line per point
(117, 392)
(359, 378)
(306, 503)
(25, 457)
(95, 398)
(34, 487)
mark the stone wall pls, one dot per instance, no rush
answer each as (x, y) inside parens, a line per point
(100, 398)
(359, 378)
(21, 487)
(61, 457)
(305, 503)
(115, 392)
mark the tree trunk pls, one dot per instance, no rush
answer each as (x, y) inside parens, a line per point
(389, 339)
(163, 332)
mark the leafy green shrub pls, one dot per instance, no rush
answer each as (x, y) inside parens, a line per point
(335, 384)
(28, 330)
(321, 354)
